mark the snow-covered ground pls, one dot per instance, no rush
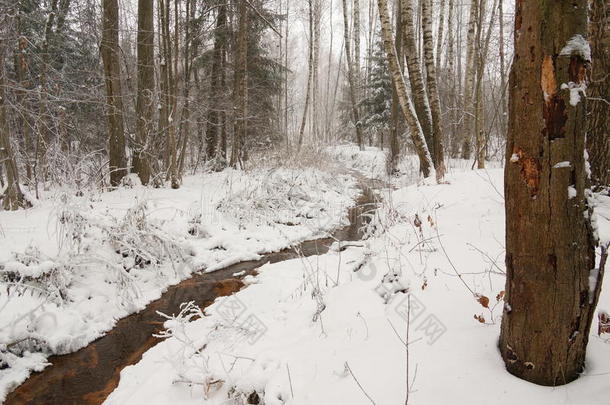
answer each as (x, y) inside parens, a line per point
(74, 264)
(331, 329)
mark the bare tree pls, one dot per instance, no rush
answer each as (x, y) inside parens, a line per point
(552, 285)
(12, 198)
(351, 79)
(435, 103)
(240, 87)
(417, 136)
(109, 49)
(416, 78)
(469, 83)
(146, 88)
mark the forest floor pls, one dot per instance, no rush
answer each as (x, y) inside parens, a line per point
(326, 329)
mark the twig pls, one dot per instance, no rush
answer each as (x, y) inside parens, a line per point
(454, 268)
(290, 382)
(357, 382)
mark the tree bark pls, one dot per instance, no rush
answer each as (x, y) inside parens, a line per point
(469, 111)
(216, 87)
(417, 136)
(13, 198)
(396, 113)
(351, 79)
(550, 245)
(146, 88)
(309, 76)
(435, 103)
(418, 89)
(109, 49)
(598, 111)
(240, 87)
(439, 39)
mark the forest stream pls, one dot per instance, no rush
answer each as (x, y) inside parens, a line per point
(89, 375)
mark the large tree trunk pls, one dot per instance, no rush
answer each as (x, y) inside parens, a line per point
(109, 49)
(146, 89)
(351, 79)
(417, 136)
(598, 138)
(435, 103)
(416, 78)
(550, 245)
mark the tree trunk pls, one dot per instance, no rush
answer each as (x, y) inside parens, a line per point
(146, 89)
(417, 136)
(418, 89)
(240, 90)
(356, 23)
(309, 76)
(351, 79)
(469, 111)
(13, 198)
(216, 88)
(550, 245)
(439, 39)
(598, 111)
(109, 49)
(435, 103)
(395, 130)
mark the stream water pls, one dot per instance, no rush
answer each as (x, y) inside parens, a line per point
(89, 375)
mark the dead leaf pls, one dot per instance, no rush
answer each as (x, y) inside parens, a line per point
(484, 301)
(479, 318)
(500, 295)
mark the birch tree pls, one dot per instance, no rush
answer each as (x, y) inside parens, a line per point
(417, 136)
(432, 86)
(351, 78)
(418, 89)
(309, 73)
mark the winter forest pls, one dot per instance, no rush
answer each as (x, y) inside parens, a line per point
(304, 202)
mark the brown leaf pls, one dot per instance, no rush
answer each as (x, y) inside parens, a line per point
(424, 285)
(484, 301)
(479, 318)
(417, 221)
(500, 295)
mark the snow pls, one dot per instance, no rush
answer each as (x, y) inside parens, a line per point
(577, 45)
(562, 165)
(571, 192)
(330, 329)
(575, 90)
(71, 266)
(327, 329)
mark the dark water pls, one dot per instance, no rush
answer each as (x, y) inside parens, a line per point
(88, 376)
